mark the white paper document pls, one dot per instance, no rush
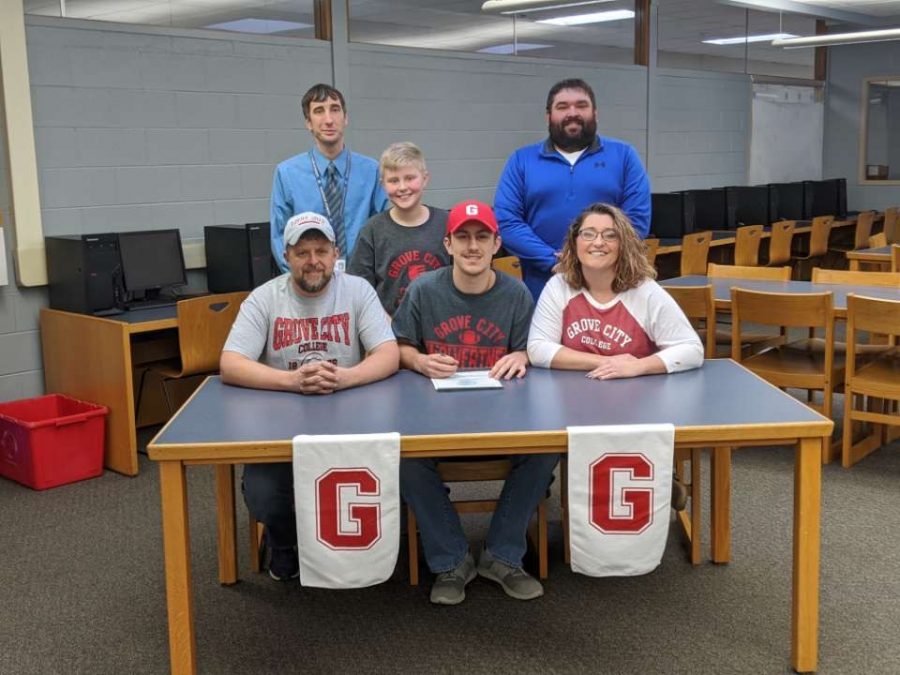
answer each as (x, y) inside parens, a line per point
(467, 379)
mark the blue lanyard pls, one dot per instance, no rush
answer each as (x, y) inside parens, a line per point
(315, 168)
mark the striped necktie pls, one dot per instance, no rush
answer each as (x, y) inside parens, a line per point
(334, 197)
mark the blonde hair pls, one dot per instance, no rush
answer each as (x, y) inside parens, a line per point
(402, 154)
(631, 267)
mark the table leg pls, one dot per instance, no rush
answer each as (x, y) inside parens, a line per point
(227, 524)
(696, 509)
(564, 503)
(720, 505)
(805, 599)
(176, 547)
(854, 264)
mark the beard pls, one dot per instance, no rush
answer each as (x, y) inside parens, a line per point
(568, 142)
(308, 286)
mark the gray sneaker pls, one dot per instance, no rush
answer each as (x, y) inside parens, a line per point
(515, 581)
(450, 587)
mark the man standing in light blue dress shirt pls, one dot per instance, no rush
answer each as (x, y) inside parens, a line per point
(328, 179)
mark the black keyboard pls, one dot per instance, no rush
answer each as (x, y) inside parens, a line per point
(151, 304)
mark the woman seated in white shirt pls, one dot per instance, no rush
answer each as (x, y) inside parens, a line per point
(603, 312)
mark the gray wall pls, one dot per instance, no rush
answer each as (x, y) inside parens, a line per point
(152, 129)
(20, 352)
(892, 133)
(141, 128)
(847, 67)
(700, 129)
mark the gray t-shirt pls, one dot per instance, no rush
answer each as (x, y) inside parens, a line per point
(285, 330)
(389, 256)
(476, 330)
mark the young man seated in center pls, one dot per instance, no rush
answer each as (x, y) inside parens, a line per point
(469, 316)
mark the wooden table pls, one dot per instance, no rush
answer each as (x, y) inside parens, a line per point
(93, 358)
(719, 405)
(882, 255)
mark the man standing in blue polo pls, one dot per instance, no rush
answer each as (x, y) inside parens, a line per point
(546, 185)
(328, 179)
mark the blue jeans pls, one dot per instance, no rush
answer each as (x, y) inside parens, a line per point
(442, 535)
(269, 493)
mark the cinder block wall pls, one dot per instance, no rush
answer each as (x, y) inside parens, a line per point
(700, 129)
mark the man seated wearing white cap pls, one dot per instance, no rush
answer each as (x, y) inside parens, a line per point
(309, 331)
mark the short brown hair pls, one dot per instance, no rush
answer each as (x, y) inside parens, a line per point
(631, 267)
(318, 93)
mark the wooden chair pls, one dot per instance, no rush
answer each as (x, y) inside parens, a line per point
(203, 326)
(878, 240)
(698, 304)
(808, 363)
(859, 278)
(752, 342)
(855, 277)
(891, 229)
(652, 246)
(818, 247)
(864, 222)
(509, 264)
(744, 272)
(878, 378)
(780, 242)
(695, 253)
(746, 245)
(483, 470)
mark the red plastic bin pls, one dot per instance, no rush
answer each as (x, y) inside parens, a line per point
(51, 440)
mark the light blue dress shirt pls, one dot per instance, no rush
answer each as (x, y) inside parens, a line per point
(295, 190)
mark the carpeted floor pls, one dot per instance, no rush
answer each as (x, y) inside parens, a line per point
(82, 591)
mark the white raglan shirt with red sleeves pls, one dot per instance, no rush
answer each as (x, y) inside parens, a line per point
(640, 321)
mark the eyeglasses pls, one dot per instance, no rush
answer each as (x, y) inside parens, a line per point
(605, 235)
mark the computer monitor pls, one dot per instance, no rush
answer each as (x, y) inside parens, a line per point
(151, 261)
(238, 257)
(747, 205)
(708, 209)
(786, 201)
(822, 198)
(666, 215)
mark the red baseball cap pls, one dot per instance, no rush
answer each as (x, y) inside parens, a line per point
(471, 211)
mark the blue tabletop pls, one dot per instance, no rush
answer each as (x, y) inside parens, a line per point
(722, 288)
(719, 393)
(880, 250)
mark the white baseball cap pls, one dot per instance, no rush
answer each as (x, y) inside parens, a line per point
(302, 223)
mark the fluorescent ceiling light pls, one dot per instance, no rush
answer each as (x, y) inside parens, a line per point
(749, 38)
(510, 48)
(596, 17)
(519, 6)
(839, 39)
(261, 26)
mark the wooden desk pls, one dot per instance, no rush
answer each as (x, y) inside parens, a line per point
(91, 358)
(722, 290)
(721, 404)
(881, 255)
